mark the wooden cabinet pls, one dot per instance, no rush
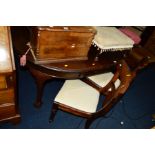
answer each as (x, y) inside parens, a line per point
(60, 43)
(8, 99)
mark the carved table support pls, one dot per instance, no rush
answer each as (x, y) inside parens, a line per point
(40, 79)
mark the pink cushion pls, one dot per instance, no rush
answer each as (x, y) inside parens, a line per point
(131, 35)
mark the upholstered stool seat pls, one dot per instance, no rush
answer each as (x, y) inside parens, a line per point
(78, 95)
(103, 79)
(111, 39)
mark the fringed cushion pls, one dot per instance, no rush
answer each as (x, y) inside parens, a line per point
(79, 95)
(111, 39)
(103, 79)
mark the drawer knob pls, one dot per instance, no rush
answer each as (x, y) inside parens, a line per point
(65, 28)
(11, 78)
(73, 45)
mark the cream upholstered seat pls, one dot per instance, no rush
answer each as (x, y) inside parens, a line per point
(110, 38)
(103, 79)
(81, 96)
(78, 95)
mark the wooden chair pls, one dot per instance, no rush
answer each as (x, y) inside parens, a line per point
(81, 99)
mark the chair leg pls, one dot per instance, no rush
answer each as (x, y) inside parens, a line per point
(88, 123)
(53, 112)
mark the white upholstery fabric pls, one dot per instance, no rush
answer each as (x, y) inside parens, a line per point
(79, 95)
(111, 38)
(103, 79)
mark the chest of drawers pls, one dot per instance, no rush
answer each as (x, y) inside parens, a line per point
(60, 43)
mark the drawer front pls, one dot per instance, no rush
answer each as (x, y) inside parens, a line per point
(6, 88)
(7, 110)
(47, 38)
(3, 84)
(80, 29)
(63, 45)
(6, 96)
(6, 81)
(62, 51)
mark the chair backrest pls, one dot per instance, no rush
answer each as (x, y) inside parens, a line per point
(114, 79)
(113, 96)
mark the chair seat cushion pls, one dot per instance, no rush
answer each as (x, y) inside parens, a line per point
(111, 38)
(79, 95)
(103, 79)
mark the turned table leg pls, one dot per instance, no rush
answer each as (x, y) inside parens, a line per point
(40, 79)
